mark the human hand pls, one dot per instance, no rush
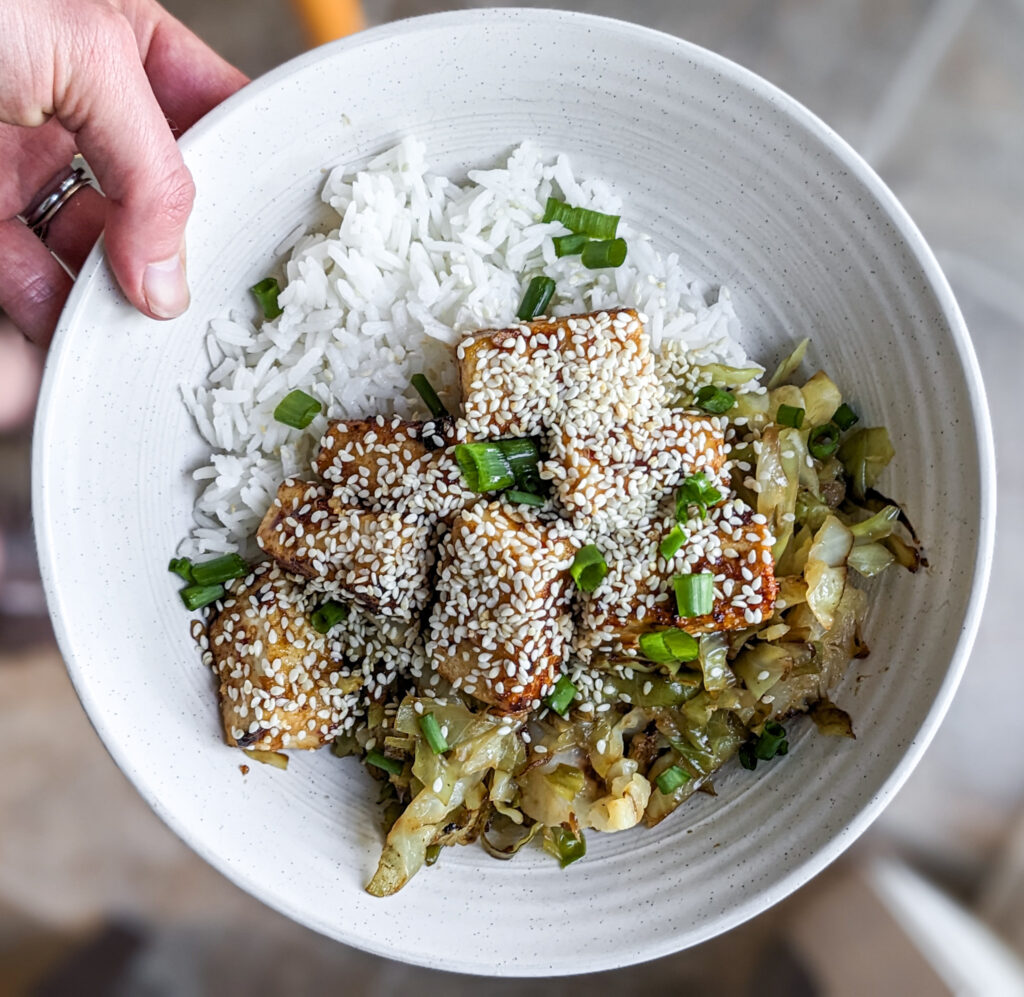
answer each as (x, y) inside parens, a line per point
(109, 79)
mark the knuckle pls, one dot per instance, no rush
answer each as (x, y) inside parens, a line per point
(175, 195)
(37, 292)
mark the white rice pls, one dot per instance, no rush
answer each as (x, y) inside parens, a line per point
(414, 263)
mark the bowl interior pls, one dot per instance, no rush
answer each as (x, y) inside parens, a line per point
(751, 191)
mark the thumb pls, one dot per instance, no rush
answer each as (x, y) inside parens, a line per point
(108, 103)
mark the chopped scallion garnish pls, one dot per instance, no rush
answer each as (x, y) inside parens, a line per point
(484, 467)
(219, 569)
(266, 292)
(569, 245)
(609, 253)
(747, 757)
(582, 220)
(588, 568)
(430, 397)
(671, 779)
(380, 761)
(197, 596)
(297, 409)
(696, 490)
(536, 299)
(328, 616)
(182, 567)
(663, 646)
(715, 400)
(522, 455)
(493, 465)
(523, 498)
(432, 733)
(844, 417)
(790, 415)
(695, 594)
(561, 696)
(671, 542)
(772, 741)
(823, 440)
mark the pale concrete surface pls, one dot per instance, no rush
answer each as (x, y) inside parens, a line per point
(932, 91)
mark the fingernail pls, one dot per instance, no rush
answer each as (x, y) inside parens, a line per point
(165, 287)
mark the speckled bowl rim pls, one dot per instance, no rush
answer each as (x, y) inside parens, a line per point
(636, 950)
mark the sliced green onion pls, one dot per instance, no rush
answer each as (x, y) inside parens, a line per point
(430, 398)
(432, 733)
(844, 417)
(662, 646)
(824, 440)
(671, 542)
(522, 455)
(219, 569)
(266, 292)
(297, 409)
(536, 298)
(376, 759)
(483, 466)
(747, 757)
(772, 741)
(182, 567)
(566, 846)
(598, 255)
(523, 498)
(561, 696)
(582, 220)
(790, 415)
(569, 245)
(696, 490)
(588, 568)
(671, 779)
(496, 464)
(715, 400)
(197, 596)
(431, 855)
(695, 594)
(328, 616)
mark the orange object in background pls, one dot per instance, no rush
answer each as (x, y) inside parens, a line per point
(326, 20)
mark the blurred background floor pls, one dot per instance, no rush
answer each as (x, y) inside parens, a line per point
(932, 93)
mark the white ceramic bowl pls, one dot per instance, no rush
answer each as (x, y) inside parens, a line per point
(752, 191)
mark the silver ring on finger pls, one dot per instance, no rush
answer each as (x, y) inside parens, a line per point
(47, 203)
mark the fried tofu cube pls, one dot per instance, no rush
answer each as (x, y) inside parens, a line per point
(501, 626)
(282, 684)
(394, 464)
(622, 475)
(379, 560)
(733, 543)
(516, 381)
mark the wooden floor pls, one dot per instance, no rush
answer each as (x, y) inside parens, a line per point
(932, 93)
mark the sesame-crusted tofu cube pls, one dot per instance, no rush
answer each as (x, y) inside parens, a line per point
(622, 475)
(501, 626)
(516, 381)
(637, 596)
(379, 560)
(393, 464)
(282, 684)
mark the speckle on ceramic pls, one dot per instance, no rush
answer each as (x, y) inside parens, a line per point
(752, 191)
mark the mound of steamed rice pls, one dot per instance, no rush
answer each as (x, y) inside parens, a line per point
(415, 261)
